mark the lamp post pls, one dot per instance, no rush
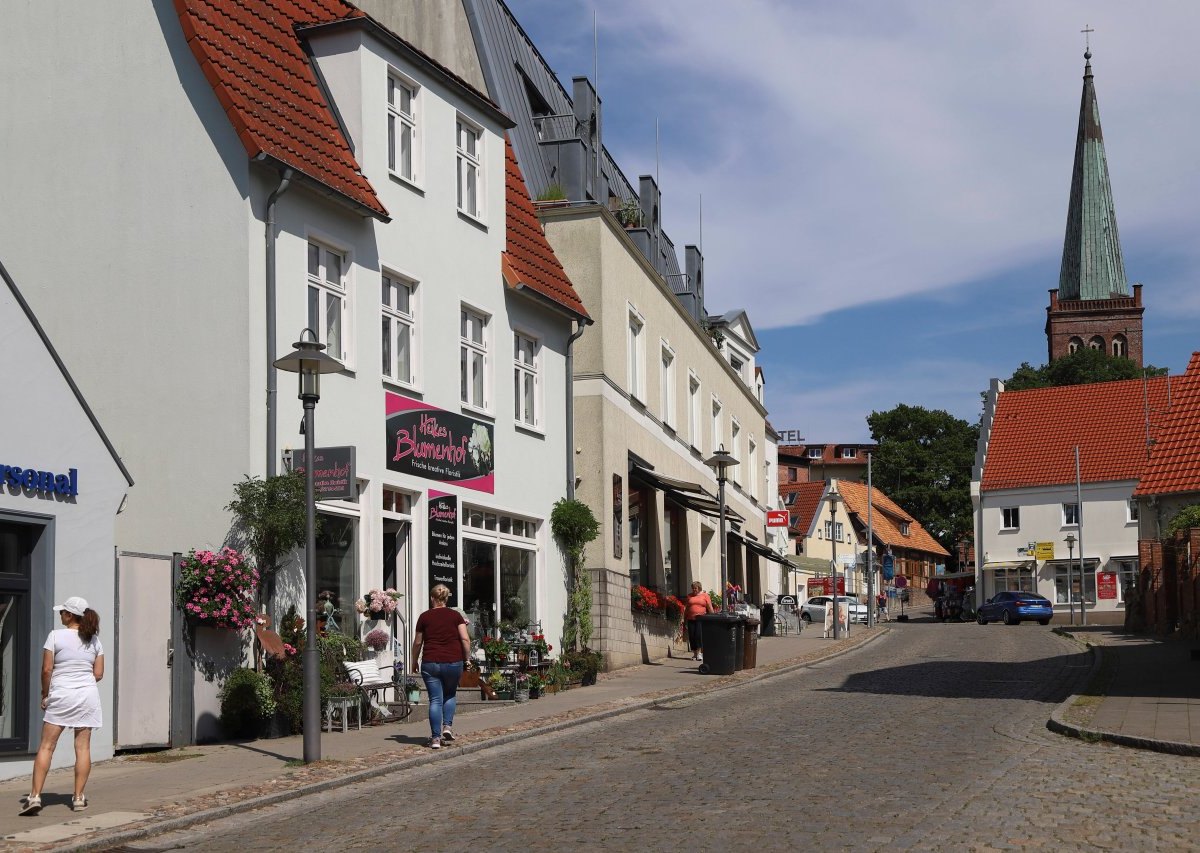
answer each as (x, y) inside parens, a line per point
(834, 500)
(309, 361)
(721, 462)
(1070, 540)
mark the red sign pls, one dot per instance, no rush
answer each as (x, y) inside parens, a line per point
(777, 518)
(1106, 584)
(824, 586)
(901, 582)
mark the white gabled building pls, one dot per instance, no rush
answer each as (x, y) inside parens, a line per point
(233, 181)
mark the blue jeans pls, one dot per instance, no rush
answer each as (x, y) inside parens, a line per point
(441, 681)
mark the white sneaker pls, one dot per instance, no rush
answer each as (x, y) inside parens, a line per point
(435, 743)
(78, 804)
(30, 805)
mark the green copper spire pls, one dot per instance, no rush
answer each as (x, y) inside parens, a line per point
(1092, 266)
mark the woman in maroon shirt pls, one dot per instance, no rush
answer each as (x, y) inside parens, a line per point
(442, 633)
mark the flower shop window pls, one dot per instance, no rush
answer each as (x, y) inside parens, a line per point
(337, 572)
(500, 556)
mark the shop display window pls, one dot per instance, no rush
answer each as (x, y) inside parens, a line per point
(337, 572)
(499, 554)
(17, 544)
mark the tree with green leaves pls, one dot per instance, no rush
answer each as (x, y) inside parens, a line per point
(1081, 367)
(924, 464)
(269, 522)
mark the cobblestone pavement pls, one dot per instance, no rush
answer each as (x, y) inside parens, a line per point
(933, 739)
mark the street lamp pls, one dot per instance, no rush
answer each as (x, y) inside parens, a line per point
(721, 462)
(308, 360)
(834, 500)
(1070, 540)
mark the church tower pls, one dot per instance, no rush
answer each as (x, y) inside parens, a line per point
(1092, 306)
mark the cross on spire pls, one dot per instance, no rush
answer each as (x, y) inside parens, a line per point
(1087, 37)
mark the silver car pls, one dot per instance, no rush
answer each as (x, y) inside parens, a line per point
(813, 610)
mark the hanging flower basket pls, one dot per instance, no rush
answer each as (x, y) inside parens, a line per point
(217, 589)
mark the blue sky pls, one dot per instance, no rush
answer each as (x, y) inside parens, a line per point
(885, 183)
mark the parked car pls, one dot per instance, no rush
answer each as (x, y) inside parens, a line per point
(813, 610)
(1012, 607)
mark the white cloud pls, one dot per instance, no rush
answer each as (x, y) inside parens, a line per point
(860, 151)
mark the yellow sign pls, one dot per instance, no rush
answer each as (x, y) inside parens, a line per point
(1044, 551)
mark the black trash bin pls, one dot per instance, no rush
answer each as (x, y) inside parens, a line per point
(768, 621)
(750, 644)
(739, 638)
(717, 635)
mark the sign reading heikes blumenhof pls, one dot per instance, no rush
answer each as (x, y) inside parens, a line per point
(333, 472)
(428, 442)
(443, 543)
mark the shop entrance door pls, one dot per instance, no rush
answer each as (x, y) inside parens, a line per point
(143, 689)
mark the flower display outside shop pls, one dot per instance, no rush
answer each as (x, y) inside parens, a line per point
(643, 599)
(217, 588)
(379, 603)
(495, 650)
(541, 646)
(377, 640)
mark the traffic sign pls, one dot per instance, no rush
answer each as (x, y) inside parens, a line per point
(901, 582)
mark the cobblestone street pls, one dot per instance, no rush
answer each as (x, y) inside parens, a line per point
(932, 738)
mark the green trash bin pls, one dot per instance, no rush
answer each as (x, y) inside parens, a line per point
(717, 632)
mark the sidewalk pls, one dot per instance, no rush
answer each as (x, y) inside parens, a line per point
(1151, 699)
(152, 791)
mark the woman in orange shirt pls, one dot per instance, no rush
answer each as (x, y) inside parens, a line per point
(696, 604)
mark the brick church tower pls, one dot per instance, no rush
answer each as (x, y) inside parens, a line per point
(1092, 306)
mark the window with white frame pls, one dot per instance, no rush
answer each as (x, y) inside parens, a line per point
(735, 450)
(666, 381)
(636, 355)
(499, 570)
(752, 466)
(815, 452)
(695, 417)
(470, 168)
(738, 364)
(1070, 514)
(527, 357)
(1066, 583)
(834, 531)
(718, 434)
(1132, 506)
(328, 300)
(399, 329)
(402, 127)
(904, 528)
(473, 358)
(849, 453)
(1011, 518)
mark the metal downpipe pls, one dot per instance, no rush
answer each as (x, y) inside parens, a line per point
(272, 332)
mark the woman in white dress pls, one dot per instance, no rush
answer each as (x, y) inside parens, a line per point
(72, 666)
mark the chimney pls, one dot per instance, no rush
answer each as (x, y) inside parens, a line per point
(1137, 295)
(587, 111)
(694, 264)
(651, 200)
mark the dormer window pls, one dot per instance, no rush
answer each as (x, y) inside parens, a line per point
(815, 452)
(904, 528)
(849, 453)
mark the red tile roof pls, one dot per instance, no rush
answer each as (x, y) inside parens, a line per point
(801, 511)
(886, 518)
(1034, 433)
(253, 59)
(528, 259)
(1174, 464)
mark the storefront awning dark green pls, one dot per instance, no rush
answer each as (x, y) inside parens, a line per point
(688, 495)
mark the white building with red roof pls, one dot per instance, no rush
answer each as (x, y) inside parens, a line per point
(1037, 515)
(238, 173)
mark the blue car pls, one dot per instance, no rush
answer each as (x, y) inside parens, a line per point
(1012, 607)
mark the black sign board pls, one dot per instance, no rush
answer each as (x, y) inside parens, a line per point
(333, 472)
(443, 543)
(428, 442)
(786, 601)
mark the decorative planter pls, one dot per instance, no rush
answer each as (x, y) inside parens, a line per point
(550, 688)
(535, 692)
(521, 695)
(414, 695)
(589, 678)
(504, 694)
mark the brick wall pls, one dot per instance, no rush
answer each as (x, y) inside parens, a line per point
(1085, 319)
(1168, 589)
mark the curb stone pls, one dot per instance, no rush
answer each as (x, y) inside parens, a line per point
(206, 816)
(1059, 725)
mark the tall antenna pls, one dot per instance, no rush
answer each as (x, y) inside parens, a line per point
(700, 242)
(599, 166)
(595, 52)
(656, 154)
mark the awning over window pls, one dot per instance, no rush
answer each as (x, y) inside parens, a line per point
(757, 547)
(689, 495)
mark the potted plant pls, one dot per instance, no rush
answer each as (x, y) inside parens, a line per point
(379, 603)
(412, 689)
(247, 703)
(377, 640)
(521, 687)
(500, 688)
(495, 650)
(629, 214)
(536, 685)
(217, 589)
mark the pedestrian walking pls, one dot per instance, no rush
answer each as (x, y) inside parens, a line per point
(441, 633)
(696, 605)
(881, 606)
(72, 666)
